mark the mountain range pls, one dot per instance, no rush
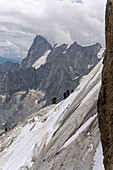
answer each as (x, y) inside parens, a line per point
(3, 60)
(47, 70)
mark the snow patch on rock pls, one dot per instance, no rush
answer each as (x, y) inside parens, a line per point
(89, 66)
(41, 60)
(75, 78)
(58, 45)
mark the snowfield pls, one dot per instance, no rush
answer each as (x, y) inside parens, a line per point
(65, 136)
(41, 60)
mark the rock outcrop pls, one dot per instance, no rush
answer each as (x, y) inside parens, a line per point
(105, 101)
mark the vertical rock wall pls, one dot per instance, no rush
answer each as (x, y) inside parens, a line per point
(105, 101)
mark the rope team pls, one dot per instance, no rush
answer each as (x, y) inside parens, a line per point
(66, 94)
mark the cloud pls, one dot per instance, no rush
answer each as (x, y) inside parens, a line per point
(14, 43)
(57, 20)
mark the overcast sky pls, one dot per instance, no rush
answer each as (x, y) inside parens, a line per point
(57, 20)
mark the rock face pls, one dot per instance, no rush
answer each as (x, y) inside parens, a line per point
(19, 106)
(105, 102)
(11, 82)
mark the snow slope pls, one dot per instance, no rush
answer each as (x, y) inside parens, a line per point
(98, 158)
(36, 133)
(66, 136)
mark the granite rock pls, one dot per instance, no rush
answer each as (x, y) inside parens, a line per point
(105, 101)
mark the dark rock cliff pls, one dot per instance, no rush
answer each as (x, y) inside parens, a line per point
(11, 82)
(105, 101)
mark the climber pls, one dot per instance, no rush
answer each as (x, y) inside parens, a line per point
(65, 95)
(5, 129)
(72, 90)
(68, 93)
(54, 100)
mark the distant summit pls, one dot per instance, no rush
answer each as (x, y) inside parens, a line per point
(3, 60)
(39, 47)
(9, 66)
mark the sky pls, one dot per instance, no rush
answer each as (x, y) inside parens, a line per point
(59, 21)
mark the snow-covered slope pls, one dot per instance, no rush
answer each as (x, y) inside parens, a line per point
(61, 136)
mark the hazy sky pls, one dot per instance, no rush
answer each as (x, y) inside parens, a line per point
(57, 20)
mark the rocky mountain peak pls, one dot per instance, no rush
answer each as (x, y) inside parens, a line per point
(39, 39)
(38, 48)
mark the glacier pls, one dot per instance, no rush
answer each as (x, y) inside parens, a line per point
(61, 136)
